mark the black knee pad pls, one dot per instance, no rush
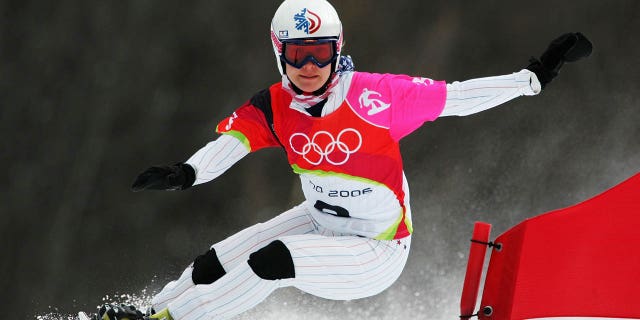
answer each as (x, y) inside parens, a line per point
(207, 268)
(273, 262)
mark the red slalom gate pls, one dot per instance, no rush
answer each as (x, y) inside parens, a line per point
(581, 261)
(472, 278)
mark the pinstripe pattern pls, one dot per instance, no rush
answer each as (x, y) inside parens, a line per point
(346, 267)
(173, 290)
(327, 264)
(216, 157)
(236, 292)
(472, 96)
(237, 248)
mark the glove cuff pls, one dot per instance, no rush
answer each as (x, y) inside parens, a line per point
(189, 175)
(543, 74)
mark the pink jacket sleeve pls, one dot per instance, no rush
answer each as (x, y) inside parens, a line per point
(400, 103)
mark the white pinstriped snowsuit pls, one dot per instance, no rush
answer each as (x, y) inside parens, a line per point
(329, 261)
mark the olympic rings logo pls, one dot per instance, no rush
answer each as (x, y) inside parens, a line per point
(323, 146)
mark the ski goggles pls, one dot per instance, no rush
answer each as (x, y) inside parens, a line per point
(321, 52)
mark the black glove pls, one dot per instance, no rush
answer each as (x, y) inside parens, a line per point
(119, 312)
(176, 177)
(569, 47)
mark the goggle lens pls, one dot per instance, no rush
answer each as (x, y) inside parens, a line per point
(298, 54)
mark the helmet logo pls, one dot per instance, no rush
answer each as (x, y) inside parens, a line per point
(307, 21)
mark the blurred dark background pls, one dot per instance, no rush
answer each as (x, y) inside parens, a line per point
(93, 92)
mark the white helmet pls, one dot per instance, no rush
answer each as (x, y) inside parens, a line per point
(305, 19)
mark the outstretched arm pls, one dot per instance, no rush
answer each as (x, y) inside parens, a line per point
(472, 96)
(205, 165)
(246, 130)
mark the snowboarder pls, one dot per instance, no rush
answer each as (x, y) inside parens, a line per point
(350, 237)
